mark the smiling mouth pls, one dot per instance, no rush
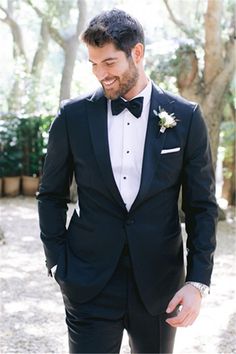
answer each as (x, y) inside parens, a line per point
(108, 83)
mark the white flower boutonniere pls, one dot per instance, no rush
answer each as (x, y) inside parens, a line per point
(166, 120)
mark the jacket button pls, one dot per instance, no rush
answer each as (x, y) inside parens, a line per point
(129, 222)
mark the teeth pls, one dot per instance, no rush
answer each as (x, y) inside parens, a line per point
(108, 83)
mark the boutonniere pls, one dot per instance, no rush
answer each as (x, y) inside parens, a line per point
(166, 120)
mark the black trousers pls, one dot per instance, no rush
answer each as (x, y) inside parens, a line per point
(97, 326)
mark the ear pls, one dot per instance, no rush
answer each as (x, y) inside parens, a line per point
(137, 53)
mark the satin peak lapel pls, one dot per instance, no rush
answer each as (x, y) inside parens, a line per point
(153, 143)
(97, 117)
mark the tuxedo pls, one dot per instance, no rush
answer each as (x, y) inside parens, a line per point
(88, 251)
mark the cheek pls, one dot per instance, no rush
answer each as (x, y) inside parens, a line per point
(104, 72)
(119, 69)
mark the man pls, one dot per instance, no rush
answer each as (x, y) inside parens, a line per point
(131, 147)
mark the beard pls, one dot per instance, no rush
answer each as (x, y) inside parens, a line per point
(123, 84)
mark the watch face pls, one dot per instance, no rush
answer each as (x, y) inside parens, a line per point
(203, 289)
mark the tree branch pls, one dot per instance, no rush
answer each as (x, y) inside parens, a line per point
(55, 34)
(179, 23)
(5, 12)
(17, 35)
(41, 51)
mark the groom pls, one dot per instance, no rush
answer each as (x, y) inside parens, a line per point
(131, 147)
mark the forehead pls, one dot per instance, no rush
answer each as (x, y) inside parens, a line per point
(107, 51)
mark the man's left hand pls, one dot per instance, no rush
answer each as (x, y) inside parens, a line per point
(189, 298)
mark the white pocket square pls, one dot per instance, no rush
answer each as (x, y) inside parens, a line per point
(169, 151)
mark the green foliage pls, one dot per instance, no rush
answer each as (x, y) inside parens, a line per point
(179, 60)
(32, 142)
(11, 155)
(227, 141)
(23, 143)
(158, 67)
(60, 12)
(164, 68)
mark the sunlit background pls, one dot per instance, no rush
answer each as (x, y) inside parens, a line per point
(189, 51)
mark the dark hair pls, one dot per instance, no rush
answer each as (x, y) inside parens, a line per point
(115, 26)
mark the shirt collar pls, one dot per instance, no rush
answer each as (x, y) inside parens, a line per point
(146, 93)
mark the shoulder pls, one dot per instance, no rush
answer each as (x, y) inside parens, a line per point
(74, 103)
(180, 103)
(181, 100)
(187, 113)
(70, 109)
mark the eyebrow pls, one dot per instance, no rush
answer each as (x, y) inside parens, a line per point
(103, 61)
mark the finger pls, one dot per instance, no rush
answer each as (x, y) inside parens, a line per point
(191, 320)
(177, 320)
(178, 323)
(181, 316)
(192, 317)
(186, 321)
(176, 300)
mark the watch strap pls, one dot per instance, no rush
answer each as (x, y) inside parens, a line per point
(203, 289)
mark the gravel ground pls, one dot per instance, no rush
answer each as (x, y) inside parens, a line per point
(32, 313)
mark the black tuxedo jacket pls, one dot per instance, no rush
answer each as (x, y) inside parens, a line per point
(87, 252)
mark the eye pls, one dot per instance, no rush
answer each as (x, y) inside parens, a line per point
(110, 63)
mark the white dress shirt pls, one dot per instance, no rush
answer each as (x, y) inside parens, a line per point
(126, 135)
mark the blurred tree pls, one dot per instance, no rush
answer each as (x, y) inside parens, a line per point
(207, 85)
(27, 77)
(68, 41)
(55, 21)
(227, 142)
(19, 54)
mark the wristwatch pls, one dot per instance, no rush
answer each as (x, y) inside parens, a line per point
(203, 289)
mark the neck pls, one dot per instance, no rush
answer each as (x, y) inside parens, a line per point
(140, 85)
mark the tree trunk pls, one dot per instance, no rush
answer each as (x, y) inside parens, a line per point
(41, 52)
(37, 68)
(229, 192)
(214, 62)
(210, 88)
(14, 98)
(71, 47)
(68, 45)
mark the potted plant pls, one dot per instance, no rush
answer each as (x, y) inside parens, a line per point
(33, 141)
(11, 157)
(11, 171)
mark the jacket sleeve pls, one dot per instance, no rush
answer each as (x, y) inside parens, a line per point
(54, 190)
(199, 204)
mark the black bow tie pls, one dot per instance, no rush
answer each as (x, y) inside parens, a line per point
(135, 106)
